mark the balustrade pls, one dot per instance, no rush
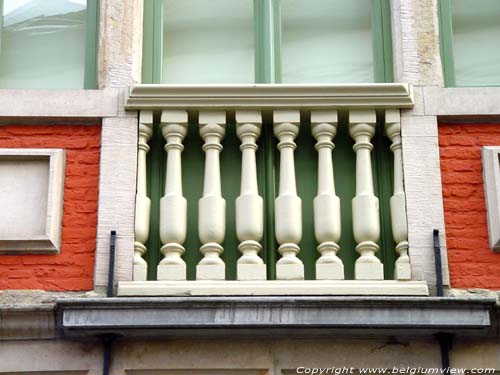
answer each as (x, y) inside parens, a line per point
(250, 205)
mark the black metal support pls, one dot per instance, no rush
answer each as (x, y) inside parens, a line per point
(111, 271)
(438, 265)
(106, 362)
(107, 340)
(444, 339)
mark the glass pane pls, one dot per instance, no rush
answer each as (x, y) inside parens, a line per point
(326, 41)
(208, 41)
(43, 44)
(476, 42)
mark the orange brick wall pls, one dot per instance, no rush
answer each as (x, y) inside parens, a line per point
(471, 261)
(73, 268)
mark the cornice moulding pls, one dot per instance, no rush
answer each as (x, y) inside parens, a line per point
(266, 96)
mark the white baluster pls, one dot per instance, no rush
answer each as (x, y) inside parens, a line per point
(326, 204)
(142, 202)
(365, 205)
(288, 215)
(399, 223)
(249, 205)
(212, 207)
(173, 205)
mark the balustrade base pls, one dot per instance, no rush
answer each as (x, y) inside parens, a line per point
(273, 288)
(402, 271)
(329, 271)
(171, 272)
(289, 271)
(369, 271)
(211, 272)
(248, 272)
(140, 272)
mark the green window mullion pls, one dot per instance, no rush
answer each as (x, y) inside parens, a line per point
(152, 42)
(90, 75)
(382, 41)
(446, 40)
(267, 41)
(1, 24)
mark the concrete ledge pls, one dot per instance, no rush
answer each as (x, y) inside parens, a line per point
(273, 288)
(440, 101)
(59, 103)
(269, 96)
(271, 316)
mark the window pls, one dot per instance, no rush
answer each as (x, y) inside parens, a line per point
(470, 51)
(267, 41)
(48, 44)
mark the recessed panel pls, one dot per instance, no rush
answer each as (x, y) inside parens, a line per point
(23, 196)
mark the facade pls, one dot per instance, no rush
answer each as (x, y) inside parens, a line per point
(278, 220)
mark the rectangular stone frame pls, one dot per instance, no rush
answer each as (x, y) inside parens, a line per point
(50, 241)
(491, 177)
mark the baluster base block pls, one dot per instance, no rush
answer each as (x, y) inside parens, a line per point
(402, 271)
(369, 271)
(329, 271)
(211, 272)
(140, 272)
(289, 271)
(171, 272)
(249, 272)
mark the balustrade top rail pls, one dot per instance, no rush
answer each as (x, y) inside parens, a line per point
(267, 96)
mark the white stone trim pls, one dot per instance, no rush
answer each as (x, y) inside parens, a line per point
(491, 179)
(58, 103)
(50, 241)
(268, 96)
(272, 288)
(455, 101)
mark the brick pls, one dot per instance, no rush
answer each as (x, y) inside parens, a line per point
(472, 264)
(73, 268)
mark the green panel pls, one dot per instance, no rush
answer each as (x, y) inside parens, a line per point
(383, 166)
(231, 176)
(193, 166)
(446, 42)
(267, 41)
(267, 170)
(156, 161)
(90, 78)
(306, 169)
(344, 164)
(32, 36)
(382, 41)
(476, 42)
(152, 41)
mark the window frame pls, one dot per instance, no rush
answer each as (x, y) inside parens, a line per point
(446, 42)
(268, 41)
(91, 43)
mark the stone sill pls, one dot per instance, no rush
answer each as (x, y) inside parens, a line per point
(18, 103)
(273, 288)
